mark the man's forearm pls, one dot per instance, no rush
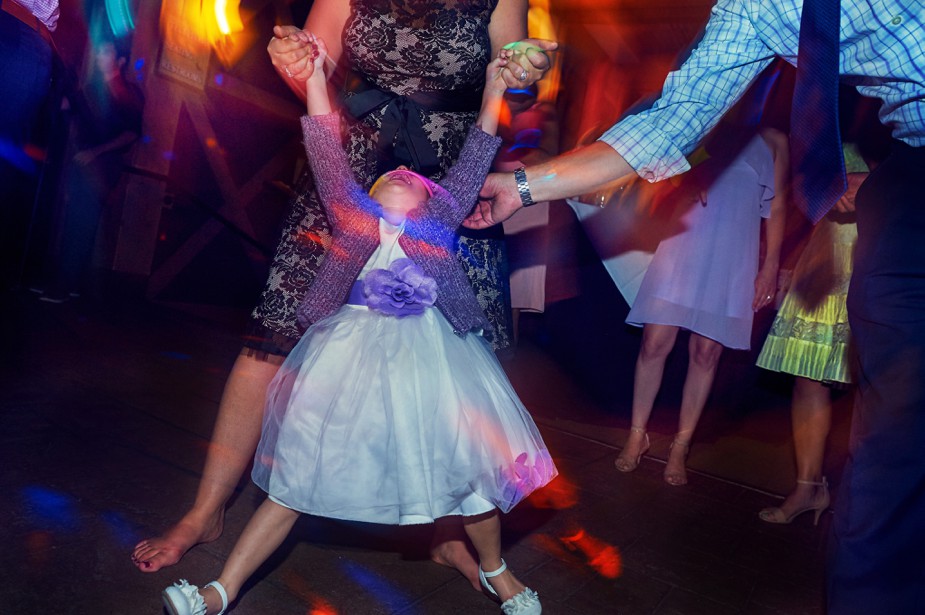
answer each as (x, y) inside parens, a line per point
(577, 172)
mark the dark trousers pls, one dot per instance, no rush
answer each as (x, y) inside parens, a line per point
(877, 555)
(25, 80)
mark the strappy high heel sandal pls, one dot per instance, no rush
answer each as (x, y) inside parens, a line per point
(526, 602)
(774, 514)
(626, 464)
(676, 478)
(184, 599)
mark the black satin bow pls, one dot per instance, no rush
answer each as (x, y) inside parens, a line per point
(402, 139)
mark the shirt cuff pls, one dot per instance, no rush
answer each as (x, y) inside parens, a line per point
(645, 148)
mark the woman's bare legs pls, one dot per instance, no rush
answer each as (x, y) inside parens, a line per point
(811, 416)
(657, 342)
(485, 533)
(234, 440)
(263, 534)
(703, 358)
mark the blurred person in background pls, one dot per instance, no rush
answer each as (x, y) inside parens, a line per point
(107, 113)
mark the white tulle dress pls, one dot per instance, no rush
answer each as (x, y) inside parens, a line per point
(391, 420)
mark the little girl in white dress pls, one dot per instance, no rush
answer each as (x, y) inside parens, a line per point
(392, 408)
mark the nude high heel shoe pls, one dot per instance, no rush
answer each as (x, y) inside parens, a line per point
(775, 515)
(677, 478)
(626, 464)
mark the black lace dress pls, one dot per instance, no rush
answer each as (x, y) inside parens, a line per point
(396, 48)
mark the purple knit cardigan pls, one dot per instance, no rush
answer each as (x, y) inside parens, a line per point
(429, 231)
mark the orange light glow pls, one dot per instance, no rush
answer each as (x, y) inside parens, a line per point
(560, 494)
(301, 587)
(601, 557)
(186, 26)
(540, 24)
(228, 16)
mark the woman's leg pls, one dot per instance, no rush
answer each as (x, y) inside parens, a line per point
(657, 342)
(263, 534)
(485, 533)
(811, 415)
(703, 358)
(234, 440)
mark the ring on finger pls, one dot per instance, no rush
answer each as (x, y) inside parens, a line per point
(523, 75)
(287, 71)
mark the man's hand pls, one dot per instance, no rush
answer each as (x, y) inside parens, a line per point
(846, 203)
(498, 201)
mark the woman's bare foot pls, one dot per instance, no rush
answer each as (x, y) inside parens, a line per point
(152, 554)
(450, 547)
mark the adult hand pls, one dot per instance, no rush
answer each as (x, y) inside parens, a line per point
(765, 287)
(498, 201)
(292, 53)
(846, 203)
(84, 157)
(529, 62)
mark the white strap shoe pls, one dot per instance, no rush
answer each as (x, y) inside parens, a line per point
(184, 599)
(526, 602)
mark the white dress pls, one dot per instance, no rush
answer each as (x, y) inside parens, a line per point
(391, 420)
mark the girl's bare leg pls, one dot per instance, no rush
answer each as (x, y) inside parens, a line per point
(485, 533)
(234, 440)
(266, 530)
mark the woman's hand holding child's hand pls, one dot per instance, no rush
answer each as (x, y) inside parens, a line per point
(528, 62)
(292, 53)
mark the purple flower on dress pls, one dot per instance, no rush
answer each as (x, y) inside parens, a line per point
(521, 478)
(401, 290)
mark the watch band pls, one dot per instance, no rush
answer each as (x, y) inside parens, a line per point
(523, 188)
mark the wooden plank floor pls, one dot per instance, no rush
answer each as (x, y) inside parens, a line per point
(105, 412)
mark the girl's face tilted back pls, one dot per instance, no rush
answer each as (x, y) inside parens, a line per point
(399, 192)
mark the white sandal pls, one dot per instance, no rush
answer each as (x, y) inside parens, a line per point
(184, 599)
(526, 602)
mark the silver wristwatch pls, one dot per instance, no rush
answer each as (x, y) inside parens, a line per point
(523, 188)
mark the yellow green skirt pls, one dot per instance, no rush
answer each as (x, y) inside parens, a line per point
(810, 336)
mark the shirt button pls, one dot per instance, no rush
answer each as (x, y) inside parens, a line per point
(897, 20)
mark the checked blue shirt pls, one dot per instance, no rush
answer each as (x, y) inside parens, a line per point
(882, 53)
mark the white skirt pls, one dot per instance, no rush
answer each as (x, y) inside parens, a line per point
(396, 420)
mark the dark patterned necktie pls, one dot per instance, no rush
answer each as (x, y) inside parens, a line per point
(815, 141)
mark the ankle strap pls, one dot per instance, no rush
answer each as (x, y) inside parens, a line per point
(221, 593)
(637, 429)
(496, 572)
(824, 483)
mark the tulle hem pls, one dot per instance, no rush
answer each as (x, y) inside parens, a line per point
(396, 420)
